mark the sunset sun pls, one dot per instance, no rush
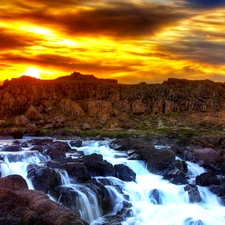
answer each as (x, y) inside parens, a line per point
(33, 72)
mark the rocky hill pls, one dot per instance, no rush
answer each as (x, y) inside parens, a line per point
(83, 102)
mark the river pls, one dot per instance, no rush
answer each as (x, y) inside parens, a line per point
(171, 207)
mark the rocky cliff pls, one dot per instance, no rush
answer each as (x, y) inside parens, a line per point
(83, 102)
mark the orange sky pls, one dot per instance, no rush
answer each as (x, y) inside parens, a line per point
(132, 41)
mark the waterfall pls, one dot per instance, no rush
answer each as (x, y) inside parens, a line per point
(156, 201)
(153, 200)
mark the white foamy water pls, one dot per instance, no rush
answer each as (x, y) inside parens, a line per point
(173, 207)
(154, 200)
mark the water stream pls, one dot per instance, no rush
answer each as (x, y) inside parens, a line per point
(171, 207)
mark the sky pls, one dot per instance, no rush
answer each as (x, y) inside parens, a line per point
(132, 41)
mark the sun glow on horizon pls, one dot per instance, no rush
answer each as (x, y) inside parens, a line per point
(33, 72)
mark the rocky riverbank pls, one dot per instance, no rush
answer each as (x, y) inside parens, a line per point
(163, 156)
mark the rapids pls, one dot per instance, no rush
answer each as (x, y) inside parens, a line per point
(153, 199)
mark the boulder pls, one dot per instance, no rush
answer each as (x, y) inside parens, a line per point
(11, 148)
(155, 197)
(124, 173)
(32, 129)
(18, 205)
(43, 179)
(54, 153)
(71, 108)
(21, 121)
(76, 143)
(32, 114)
(97, 166)
(158, 160)
(207, 179)
(78, 171)
(13, 182)
(193, 193)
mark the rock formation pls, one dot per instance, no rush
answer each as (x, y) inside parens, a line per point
(85, 102)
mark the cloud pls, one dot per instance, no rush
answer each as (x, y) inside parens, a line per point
(205, 4)
(11, 40)
(62, 63)
(200, 51)
(116, 19)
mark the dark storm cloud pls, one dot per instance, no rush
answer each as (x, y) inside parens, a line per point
(205, 4)
(10, 40)
(198, 51)
(116, 19)
(61, 62)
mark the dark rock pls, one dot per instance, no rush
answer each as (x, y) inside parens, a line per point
(124, 173)
(218, 190)
(178, 178)
(24, 145)
(18, 205)
(126, 210)
(155, 197)
(207, 179)
(11, 148)
(13, 182)
(60, 145)
(158, 160)
(193, 193)
(97, 166)
(43, 179)
(103, 195)
(54, 153)
(111, 220)
(76, 143)
(41, 142)
(77, 171)
(17, 134)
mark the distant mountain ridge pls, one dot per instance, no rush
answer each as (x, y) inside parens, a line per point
(85, 102)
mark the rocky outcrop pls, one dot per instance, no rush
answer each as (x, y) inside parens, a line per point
(18, 205)
(77, 100)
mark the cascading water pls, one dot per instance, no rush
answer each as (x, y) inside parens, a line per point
(156, 201)
(153, 200)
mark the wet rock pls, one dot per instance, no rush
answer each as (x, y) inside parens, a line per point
(18, 205)
(13, 182)
(54, 153)
(18, 134)
(11, 148)
(219, 190)
(207, 179)
(60, 145)
(77, 171)
(110, 220)
(205, 156)
(97, 166)
(43, 179)
(193, 193)
(41, 142)
(103, 195)
(124, 173)
(76, 143)
(155, 197)
(177, 177)
(158, 160)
